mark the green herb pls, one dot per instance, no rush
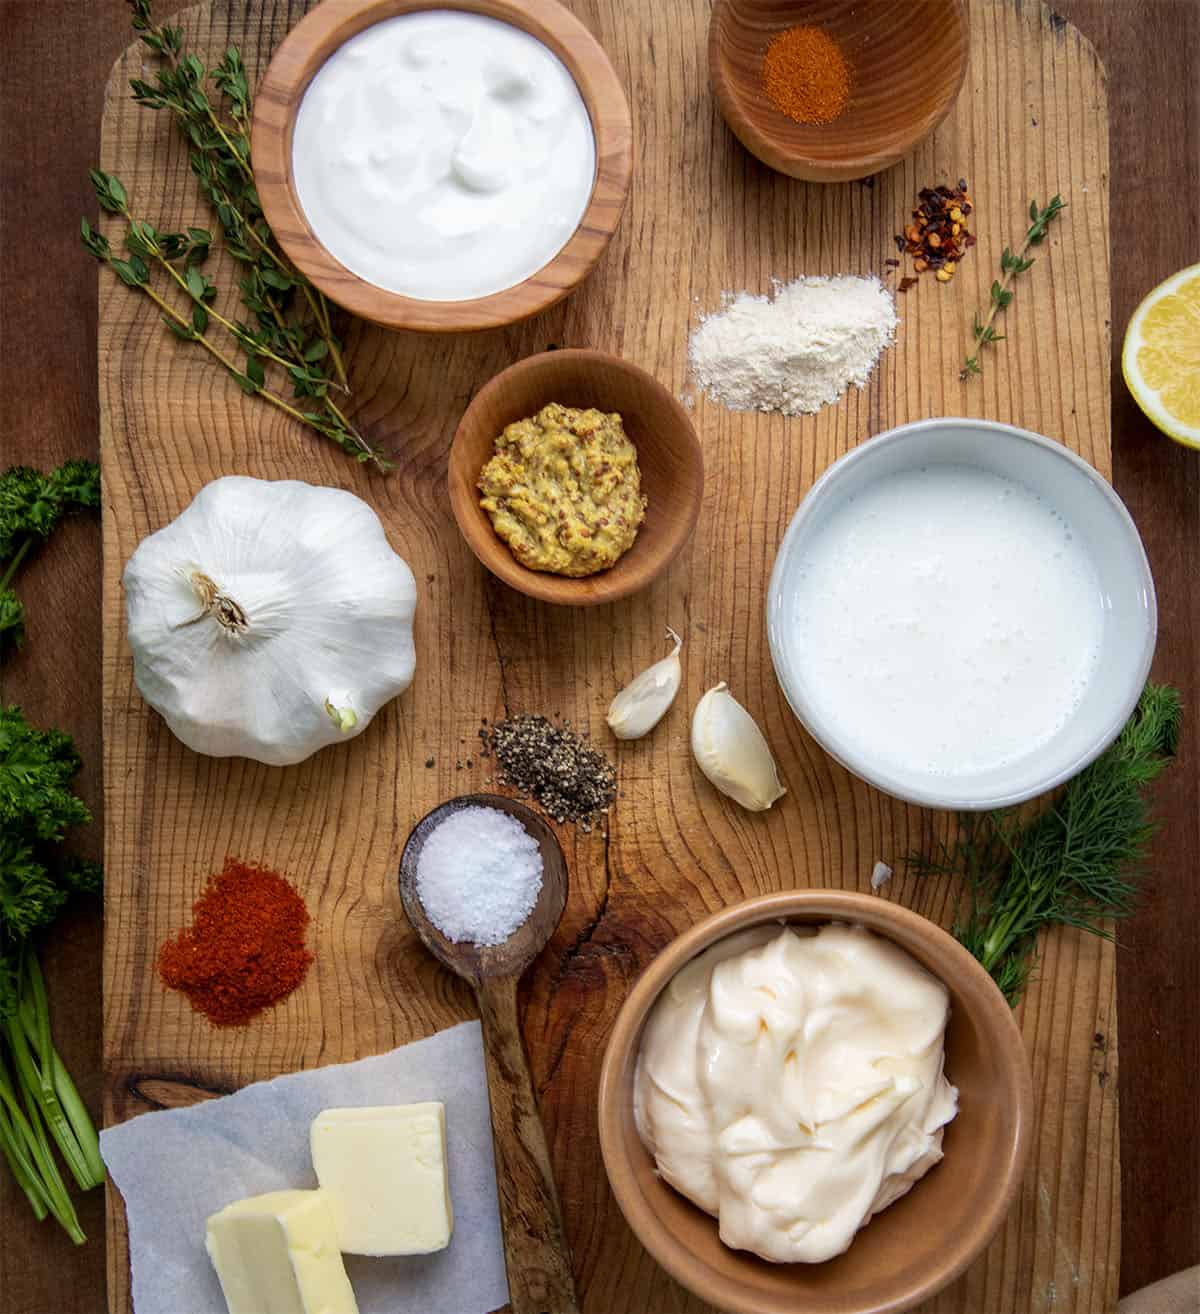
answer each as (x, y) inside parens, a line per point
(39, 1104)
(31, 504)
(1078, 863)
(1010, 266)
(291, 330)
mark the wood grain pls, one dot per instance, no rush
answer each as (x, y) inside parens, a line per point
(278, 97)
(669, 457)
(908, 65)
(674, 850)
(57, 54)
(537, 1254)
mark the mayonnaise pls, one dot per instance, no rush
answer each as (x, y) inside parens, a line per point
(443, 155)
(791, 1084)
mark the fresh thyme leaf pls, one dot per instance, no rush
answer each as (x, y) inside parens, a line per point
(290, 312)
(1001, 295)
(1078, 863)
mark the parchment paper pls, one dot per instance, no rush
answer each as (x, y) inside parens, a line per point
(177, 1166)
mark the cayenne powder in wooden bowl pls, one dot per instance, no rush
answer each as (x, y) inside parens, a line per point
(244, 950)
(829, 90)
(805, 75)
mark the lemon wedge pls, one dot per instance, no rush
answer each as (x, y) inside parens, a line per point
(1161, 356)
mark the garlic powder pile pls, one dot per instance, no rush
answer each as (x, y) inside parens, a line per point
(797, 350)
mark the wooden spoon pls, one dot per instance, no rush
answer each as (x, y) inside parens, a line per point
(536, 1253)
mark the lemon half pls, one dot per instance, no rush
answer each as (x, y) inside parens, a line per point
(1161, 356)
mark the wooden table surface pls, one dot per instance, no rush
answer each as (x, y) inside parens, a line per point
(56, 57)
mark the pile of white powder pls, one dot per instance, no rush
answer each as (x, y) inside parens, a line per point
(479, 874)
(797, 350)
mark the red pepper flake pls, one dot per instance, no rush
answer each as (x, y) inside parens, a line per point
(906, 282)
(244, 950)
(938, 235)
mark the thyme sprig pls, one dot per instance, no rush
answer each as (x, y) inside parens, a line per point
(290, 328)
(1010, 266)
(1078, 863)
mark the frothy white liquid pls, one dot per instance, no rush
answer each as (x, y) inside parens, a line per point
(948, 621)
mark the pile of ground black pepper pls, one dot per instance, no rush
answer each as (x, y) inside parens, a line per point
(570, 779)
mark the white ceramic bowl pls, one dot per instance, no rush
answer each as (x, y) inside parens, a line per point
(1097, 517)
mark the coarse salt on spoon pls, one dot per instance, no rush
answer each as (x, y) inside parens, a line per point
(536, 1253)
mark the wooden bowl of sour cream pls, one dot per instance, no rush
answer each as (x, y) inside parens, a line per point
(668, 454)
(380, 197)
(915, 1246)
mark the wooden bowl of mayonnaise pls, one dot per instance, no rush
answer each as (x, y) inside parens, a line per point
(442, 168)
(911, 1248)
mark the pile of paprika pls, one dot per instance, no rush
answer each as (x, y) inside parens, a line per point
(805, 75)
(244, 950)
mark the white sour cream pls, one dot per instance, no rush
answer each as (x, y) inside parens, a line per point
(948, 621)
(443, 155)
(791, 1084)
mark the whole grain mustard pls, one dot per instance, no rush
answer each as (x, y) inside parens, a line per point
(564, 490)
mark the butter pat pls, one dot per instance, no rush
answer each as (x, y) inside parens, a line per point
(278, 1254)
(385, 1170)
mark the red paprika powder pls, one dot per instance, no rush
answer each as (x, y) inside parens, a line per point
(244, 950)
(805, 75)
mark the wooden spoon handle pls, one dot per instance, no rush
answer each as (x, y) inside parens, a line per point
(536, 1253)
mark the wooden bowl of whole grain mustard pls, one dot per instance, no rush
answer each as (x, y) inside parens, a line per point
(669, 459)
(831, 90)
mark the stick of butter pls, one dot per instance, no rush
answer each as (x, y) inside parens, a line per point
(385, 1170)
(278, 1254)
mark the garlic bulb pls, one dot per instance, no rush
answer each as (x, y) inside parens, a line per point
(644, 701)
(269, 619)
(730, 749)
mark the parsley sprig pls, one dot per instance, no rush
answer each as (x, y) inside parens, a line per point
(40, 1106)
(1010, 266)
(31, 505)
(290, 331)
(1078, 863)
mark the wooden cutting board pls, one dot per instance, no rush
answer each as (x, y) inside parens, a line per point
(703, 217)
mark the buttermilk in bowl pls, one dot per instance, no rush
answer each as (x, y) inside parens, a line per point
(948, 620)
(790, 1082)
(443, 155)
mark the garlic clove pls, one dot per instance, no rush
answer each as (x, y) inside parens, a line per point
(731, 751)
(645, 700)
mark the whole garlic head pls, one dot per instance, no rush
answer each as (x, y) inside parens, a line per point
(271, 618)
(731, 751)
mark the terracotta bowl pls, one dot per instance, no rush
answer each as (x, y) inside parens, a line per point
(310, 43)
(916, 1246)
(907, 63)
(669, 457)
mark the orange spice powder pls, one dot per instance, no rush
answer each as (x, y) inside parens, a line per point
(805, 75)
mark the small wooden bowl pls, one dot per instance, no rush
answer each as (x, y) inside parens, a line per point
(669, 457)
(907, 63)
(916, 1246)
(310, 43)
